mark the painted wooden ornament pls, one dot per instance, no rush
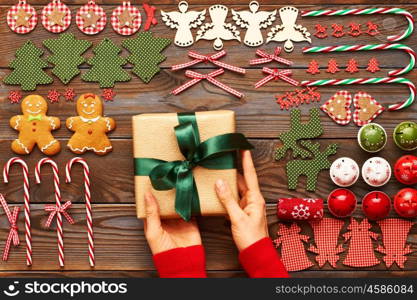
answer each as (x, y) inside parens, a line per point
(405, 169)
(405, 136)
(183, 20)
(372, 137)
(126, 19)
(341, 203)
(288, 32)
(254, 20)
(22, 17)
(405, 203)
(376, 171)
(344, 171)
(218, 30)
(56, 17)
(91, 18)
(376, 205)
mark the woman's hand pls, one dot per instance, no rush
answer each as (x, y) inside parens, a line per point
(248, 219)
(167, 234)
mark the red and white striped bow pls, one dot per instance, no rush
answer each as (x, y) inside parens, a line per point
(275, 74)
(198, 58)
(197, 77)
(54, 209)
(266, 58)
(13, 236)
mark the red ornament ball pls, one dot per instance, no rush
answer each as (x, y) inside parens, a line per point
(405, 169)
(405, 203)
(376, 205)
(341, 203)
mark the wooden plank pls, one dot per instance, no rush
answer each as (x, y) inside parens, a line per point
(121, 245)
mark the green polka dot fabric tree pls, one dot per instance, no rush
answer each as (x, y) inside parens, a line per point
(66, 55)
(146, 54)
(107, 65)
(28, 68)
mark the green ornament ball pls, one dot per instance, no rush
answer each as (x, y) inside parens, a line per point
(372, 137)
(405, 135)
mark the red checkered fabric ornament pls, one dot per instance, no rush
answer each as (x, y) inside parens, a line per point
(373, 65)
(338, 30)
(352, 66)
(293, 254)
(313, 67)
(394, 238)
(15, 96)
(326, 234)
(56, 17)
(332, 66)
(22, 17)
(355, 29)
(53, 96)
(321, 31)
(361, 251)
(126, 19)
(69, 94)
(299, 209)
(108, 94)
(91, 18)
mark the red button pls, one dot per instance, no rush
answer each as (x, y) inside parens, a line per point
(33, 129)
(90, 131)
(34, 123)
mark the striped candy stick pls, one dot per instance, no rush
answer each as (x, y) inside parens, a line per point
(59, 231)
(368, 11)
(371, 47)
(90, 232)
(376, 80)
(28, 234)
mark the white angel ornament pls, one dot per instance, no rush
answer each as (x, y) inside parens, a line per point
(218, 30)
(183, 20)
(254, 20)
(288, 31)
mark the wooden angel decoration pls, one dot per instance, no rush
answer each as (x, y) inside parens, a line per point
(218, 29)
(293, 254)
(254, 21)
(288, 32)
(361, 251)
(183, 20)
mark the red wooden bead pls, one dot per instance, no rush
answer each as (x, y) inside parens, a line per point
(376, 205)
(341, 203)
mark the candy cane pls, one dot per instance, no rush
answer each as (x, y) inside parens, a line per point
(376, 80)
(87, 202)
(351, 48)
(58, 212)
(368, 11)
(25, 169)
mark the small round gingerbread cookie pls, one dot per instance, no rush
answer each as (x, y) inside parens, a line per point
(35, 127)
(90, 127)
(376, 171)
(344, 172)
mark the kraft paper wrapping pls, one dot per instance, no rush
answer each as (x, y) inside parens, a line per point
(154, 137)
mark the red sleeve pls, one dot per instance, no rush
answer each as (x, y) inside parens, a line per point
(188, 262)
(261, 260)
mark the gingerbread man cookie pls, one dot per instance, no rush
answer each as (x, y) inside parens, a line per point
(35, 127)
(90, 127)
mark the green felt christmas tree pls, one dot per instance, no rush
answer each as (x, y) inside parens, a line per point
(107, 65)
(66, 55)
(28, 68)
(146, 54)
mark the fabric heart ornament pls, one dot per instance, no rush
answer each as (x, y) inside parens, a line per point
(366, 108)
(338, 107)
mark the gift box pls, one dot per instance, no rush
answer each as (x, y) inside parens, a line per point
(180, 156)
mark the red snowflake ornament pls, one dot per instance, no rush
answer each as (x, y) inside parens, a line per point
(373, 65)
(338, 30)
(313, 67)
(321, 31)
(15, 96)
(108, 94)
(69, 94)
(332, 66)
(372, 29)
(355, 29)
(53, 96)
(352, 66)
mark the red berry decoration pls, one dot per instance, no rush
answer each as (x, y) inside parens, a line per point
(15, 96)
(405, 169)
(376, 205)
(341, 203)
(405, 203)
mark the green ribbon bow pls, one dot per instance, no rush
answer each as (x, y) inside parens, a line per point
(34, 118)
(216, 153)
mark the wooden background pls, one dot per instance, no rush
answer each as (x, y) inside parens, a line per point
(121, 248)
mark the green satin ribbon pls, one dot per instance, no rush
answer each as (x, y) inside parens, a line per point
(216, 153)
(34, 118)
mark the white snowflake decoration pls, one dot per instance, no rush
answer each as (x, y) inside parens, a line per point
(300, 212)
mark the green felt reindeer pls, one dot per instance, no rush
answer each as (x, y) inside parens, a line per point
(299, 131)
(310, 168)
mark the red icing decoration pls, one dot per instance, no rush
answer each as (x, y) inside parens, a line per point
(321, 31)
(372, 28)
(293, 254)
(53, 96)
(69, 94)
(405, 169)
(361, 251)
(326, 234)
(313, 67)
(108, 94)
(341, 203)
(376, 205)
(332, 66)
(352, 66)
(15, 96)
(405, 203)
(337, 30)
(373, 65)
(293, 209)
(355, 29)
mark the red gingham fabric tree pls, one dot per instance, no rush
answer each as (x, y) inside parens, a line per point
(373, 65)
(332, 66)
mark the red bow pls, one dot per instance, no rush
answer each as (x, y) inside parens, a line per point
(197, 77)
(276, 74)
(266, 58)
(198, 58)
(53, 209)
(150, 16)
(13, 236)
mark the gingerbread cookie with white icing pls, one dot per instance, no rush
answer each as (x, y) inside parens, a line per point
(90, 127)
(35, 127)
